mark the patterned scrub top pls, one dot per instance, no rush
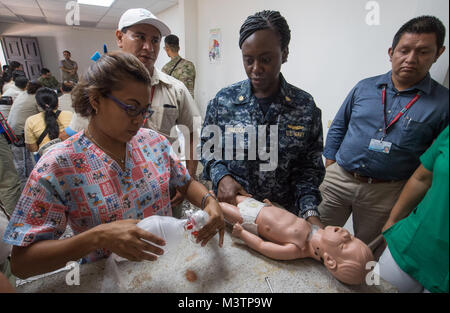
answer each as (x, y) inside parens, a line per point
(77, 183)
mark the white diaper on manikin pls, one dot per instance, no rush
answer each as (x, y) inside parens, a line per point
(249, 209)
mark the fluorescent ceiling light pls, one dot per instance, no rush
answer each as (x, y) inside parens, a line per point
(100, 3)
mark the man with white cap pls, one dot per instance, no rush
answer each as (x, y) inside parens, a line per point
(139, 33)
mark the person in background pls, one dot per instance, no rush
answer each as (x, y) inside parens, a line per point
(5, 69)
(78, 122)
(417, 255)
(384, 125)
(14, 69)
(2, 77)
(6, 80)
(290, 176)
(47, 125)
(47, 79)
(180, 68)
(69, 68)
(23, 107)
(10, 187)
(65, 100)
(20, 85)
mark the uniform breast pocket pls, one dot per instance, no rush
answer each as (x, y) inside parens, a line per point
(414, 134)
(165, 118)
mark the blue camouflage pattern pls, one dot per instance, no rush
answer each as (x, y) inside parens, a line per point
(294, 183)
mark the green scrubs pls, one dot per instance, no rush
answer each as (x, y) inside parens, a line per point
(419, 243)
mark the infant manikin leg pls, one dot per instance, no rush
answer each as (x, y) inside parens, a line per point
(250, 209)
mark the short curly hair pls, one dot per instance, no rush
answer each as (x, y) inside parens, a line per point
(105, 75)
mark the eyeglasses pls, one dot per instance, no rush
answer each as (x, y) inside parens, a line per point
(131, 110)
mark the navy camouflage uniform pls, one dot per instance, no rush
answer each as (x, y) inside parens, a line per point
(294, 184)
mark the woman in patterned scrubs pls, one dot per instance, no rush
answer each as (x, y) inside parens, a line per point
(103, 180)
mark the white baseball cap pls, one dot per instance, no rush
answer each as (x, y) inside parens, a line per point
(142, 16)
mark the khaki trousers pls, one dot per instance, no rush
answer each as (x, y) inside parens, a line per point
(10, 188)
(370, 204)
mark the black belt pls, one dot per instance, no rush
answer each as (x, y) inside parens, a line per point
(369, 180)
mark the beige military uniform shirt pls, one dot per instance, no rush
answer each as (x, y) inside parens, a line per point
(173, 105)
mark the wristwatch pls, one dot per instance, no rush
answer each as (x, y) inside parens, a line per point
(310, 213)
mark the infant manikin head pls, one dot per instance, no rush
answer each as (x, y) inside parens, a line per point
(344, 255)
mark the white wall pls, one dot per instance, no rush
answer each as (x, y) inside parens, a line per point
(54, 39)
(174, 18)
(182, 21)
(2, 57)
(332, 47)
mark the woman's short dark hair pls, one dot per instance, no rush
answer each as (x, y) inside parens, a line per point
(44, 71)
(266, 20)
(47, 99)
(172, 41)
(14, 65)
(6, 77)
(33, 86)
(105, 75)
(425, 24)
(21, 82)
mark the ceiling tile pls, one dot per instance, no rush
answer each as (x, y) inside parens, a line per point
(54, 13)
(10, 19)
(90, 17)
(110, 19)
(128, 4)
(33, 19)
(88, 24)
(22, 10)
(20, 3)
(115, 12)
(107, 25)
(52, 4)
(6, 12)
(160, 6)
(56, 20)
(92, 9)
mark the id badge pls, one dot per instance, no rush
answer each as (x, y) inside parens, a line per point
(380, 146)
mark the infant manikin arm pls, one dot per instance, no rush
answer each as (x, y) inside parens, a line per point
(287, 251)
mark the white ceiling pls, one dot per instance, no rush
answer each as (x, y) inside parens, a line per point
(54, 11)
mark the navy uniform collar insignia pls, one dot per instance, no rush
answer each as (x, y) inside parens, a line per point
(286, 92)
(244, 95)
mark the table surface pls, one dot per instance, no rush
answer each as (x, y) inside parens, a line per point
(234, 268)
